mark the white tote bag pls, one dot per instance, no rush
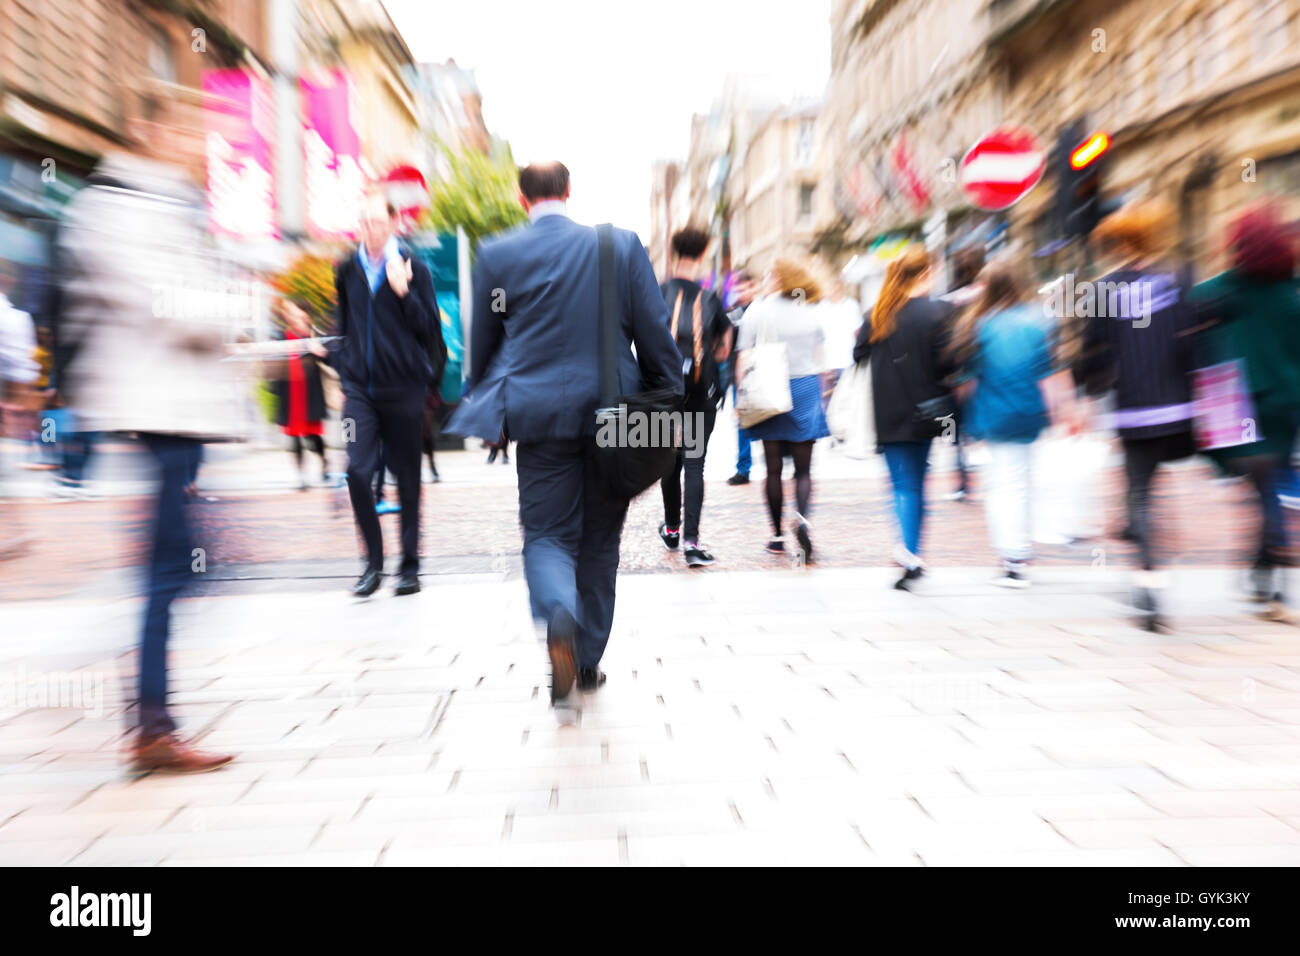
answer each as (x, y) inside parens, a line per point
(1067, 476)
(849, 412)
(764, 391)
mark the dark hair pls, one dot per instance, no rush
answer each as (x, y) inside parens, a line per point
(966, 265)
(1261, 245)
(539, 181)
(1004, 287)
(690, 243)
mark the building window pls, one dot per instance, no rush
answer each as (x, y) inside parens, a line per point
(805, 148)
(1270, 28)
(805, 200)
(1212, 47)
(162, 61)
(1137, 83)
(1173, 74)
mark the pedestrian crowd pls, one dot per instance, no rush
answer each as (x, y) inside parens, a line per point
(571, 326)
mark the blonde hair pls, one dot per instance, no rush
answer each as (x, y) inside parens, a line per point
(795, 281)
(900, 277)
(1144, 228)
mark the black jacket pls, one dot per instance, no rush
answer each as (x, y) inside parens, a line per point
(910, 366)
(385, 341)
(1146, 352)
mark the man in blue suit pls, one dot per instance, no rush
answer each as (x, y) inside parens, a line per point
(535, 335)
(389, 329)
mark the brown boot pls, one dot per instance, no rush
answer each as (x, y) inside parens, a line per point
(167, 753)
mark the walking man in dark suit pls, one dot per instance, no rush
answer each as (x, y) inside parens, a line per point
(388, 327)
(535, 328)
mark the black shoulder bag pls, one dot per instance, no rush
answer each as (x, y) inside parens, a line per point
(637, 435)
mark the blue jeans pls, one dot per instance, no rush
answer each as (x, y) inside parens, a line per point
(171, 568)
(76, 452)
(908, 461)
(744, 458)
(572, 526)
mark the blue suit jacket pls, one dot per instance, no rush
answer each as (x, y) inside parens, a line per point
(534, 363)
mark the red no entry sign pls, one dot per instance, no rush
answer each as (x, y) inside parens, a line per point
(1002, 167)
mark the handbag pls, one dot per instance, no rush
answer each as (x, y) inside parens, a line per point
(849, 413)
(1223, 406)
(764, 391)
(638, 435)
(935, 416)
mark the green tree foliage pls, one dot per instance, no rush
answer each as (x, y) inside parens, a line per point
(310, 279)
(480, 193)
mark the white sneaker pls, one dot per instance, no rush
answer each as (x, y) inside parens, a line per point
(906, 559)
(1012, 576)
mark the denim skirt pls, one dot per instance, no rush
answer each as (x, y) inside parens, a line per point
(805, 422)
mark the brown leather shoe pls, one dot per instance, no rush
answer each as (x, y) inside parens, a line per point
(167, 753)
(560, 643)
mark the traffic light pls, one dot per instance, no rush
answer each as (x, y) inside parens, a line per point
(1079, 159)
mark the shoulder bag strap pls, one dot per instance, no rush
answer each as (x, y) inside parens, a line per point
(697, 332)
(607, 316)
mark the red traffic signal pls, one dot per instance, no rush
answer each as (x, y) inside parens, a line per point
(1089, 150)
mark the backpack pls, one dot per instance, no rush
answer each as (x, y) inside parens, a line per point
(699, 369)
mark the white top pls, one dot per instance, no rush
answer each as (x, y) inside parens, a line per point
(840, 321)
(17, 344)
(794, 322)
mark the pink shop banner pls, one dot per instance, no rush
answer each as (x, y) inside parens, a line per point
(238, 119)
(332, 174)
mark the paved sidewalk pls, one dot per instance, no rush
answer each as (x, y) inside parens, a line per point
(470, 524)
(771, 717)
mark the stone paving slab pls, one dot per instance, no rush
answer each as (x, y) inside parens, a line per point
(750, 719)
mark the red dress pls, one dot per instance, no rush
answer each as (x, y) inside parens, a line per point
(298, 424)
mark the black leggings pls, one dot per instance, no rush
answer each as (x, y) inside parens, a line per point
(671, 483)
(314, 442)
(1142, 456)
(774, 452)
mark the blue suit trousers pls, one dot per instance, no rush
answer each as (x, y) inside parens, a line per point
(572, 527)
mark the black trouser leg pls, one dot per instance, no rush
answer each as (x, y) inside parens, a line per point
(401, 426)
(694, 468)
(381, 473)
(361, 428)
(431, 432)
(1262, 470)
(670, 485)
(1141, 458)
(297, 452)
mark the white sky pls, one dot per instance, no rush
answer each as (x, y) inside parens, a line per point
(609, 86)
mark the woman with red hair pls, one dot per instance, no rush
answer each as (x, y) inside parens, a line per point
(1253, 315)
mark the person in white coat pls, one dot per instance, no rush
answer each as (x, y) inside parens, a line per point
(145, 324)
(18, 370)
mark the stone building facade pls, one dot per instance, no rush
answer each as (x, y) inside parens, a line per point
(1201, 99)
